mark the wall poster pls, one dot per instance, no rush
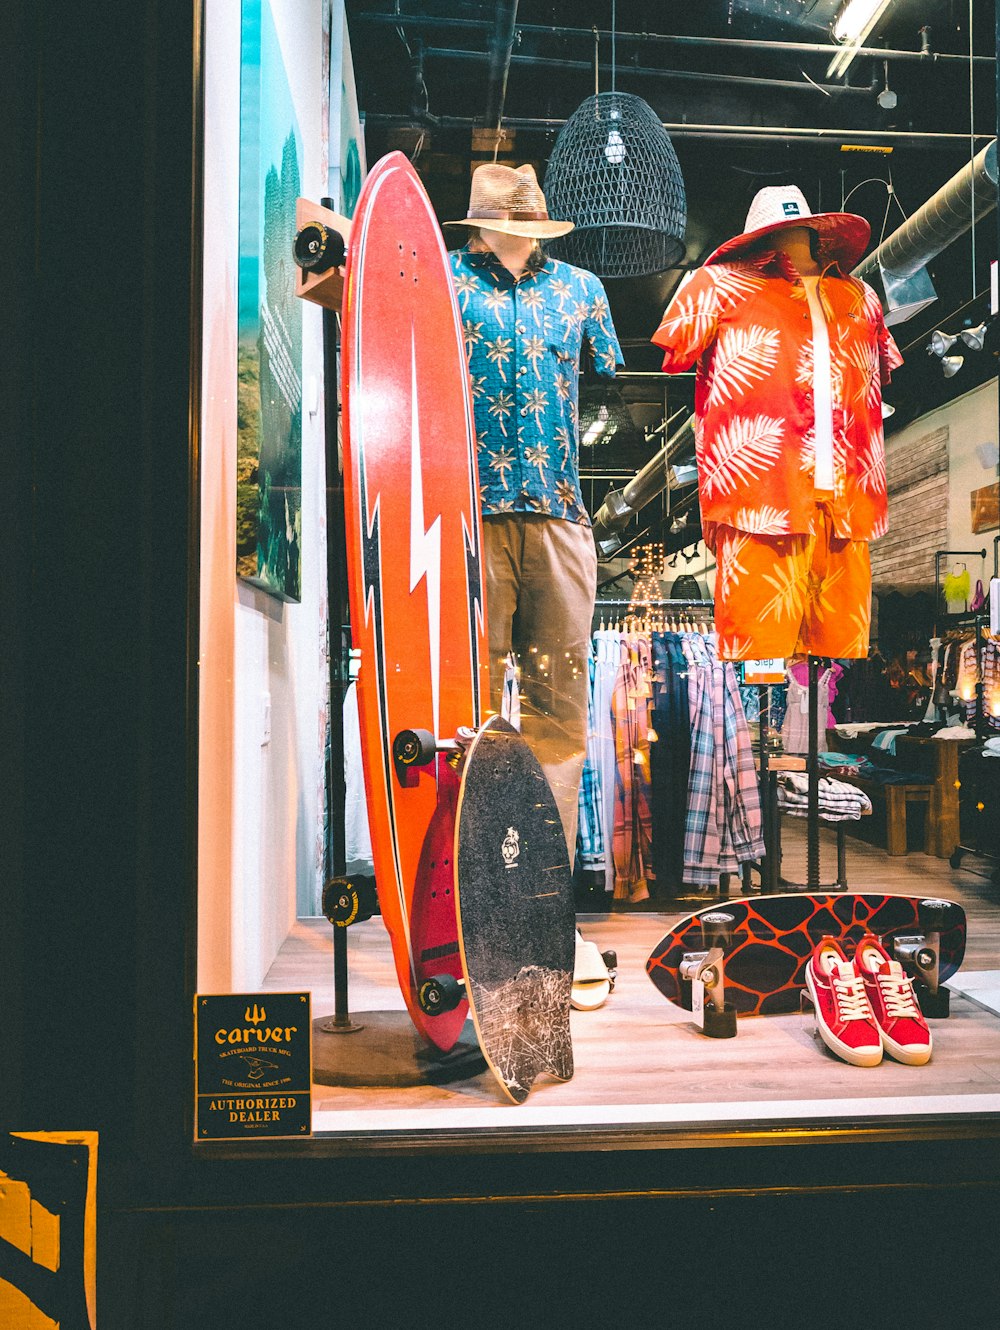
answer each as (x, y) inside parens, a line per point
(269, 429)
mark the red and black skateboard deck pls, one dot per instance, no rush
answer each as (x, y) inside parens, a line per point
(414, 550)
(517, 920)
(772, 938)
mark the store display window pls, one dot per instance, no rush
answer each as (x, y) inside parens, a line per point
(599, 624)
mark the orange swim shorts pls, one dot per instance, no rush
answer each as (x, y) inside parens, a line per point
(792, 595)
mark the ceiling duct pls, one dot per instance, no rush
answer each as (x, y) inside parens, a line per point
(897, 268)
(660, 472)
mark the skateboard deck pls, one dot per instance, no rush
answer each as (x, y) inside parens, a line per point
(414, 557)
(774, 936)
(517, 921)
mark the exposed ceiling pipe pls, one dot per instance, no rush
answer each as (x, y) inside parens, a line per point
(645, 71)
(823, 49)
(739, 133)
(498, 54)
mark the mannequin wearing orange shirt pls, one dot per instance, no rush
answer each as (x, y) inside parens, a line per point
(791, 353)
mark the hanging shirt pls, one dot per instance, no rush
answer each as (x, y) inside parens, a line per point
(747, 326)
(524, 338)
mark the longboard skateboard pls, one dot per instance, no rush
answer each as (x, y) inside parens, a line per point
(516, 913)
(766, 942)
(414, 554)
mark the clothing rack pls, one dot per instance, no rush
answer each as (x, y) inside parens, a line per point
(620, 603)
(944, 554)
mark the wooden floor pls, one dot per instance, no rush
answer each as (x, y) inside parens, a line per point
(639, 1058)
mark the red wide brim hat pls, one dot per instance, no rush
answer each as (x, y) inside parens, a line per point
(843, 236)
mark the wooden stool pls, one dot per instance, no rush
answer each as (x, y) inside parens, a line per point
(897, 799)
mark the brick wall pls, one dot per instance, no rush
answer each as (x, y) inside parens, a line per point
(917, 480)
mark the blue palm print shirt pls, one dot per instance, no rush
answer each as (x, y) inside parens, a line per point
(524, 338)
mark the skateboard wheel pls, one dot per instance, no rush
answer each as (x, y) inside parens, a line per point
(414, 748)
(717, 929)
(440, 993)
(610, 959)
(956, 859)
(316, 248)
(932, 913)
(720, 1024)
(341, 902)
(933, 1005)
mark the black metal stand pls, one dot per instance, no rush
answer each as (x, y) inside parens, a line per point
(812, 774)
(812, 882)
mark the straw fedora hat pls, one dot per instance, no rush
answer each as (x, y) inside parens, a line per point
(507, 198)
(842, 235)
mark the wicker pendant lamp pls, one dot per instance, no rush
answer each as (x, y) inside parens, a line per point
(614, 174)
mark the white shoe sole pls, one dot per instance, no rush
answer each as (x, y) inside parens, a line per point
(857, 1057)
(913, 1055)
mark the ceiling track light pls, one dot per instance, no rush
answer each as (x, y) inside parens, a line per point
(941, 343)
(950, 365)
(974, 338)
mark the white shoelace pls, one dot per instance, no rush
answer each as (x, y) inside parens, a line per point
(897, 994)
(852, 1000)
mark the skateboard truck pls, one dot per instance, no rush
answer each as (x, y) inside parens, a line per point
(319, 249)
(703, 978)
(920, 956)
(418, 748)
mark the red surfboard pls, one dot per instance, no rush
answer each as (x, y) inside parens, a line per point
(414, 550)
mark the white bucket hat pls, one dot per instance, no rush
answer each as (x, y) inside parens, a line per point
(843, 236)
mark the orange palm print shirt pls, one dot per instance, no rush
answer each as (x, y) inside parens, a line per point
(747, 325)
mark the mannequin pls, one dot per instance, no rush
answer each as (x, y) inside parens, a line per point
(792, 353)
(528, 320)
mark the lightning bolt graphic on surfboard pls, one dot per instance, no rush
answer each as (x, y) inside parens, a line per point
(425, 544)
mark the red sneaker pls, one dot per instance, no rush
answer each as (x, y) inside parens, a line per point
(843, 1013)
(890, 991)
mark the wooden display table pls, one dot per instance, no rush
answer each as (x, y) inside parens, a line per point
(939, 758)
(897, 799)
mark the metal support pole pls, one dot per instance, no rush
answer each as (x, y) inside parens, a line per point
(336, 574)
(812, 771)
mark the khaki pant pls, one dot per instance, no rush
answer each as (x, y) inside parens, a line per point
(541, 578)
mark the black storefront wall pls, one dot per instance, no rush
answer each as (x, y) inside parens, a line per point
(97, 945)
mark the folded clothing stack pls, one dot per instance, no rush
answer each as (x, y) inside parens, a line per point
(838, 801)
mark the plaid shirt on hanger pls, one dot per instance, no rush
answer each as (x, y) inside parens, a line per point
(724, 827)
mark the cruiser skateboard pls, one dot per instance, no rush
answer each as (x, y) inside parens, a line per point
(764, 943)
(516, 914)
(414, 556)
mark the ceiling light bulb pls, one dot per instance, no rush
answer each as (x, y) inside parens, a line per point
(940, 342)
(887, 410)
(974, 338)
(951, 365)
(614, 149)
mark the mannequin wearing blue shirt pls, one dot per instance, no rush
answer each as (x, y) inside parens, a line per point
(528, 319)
